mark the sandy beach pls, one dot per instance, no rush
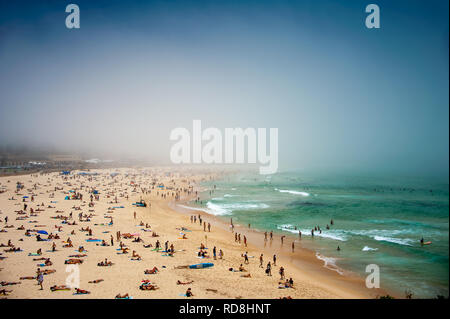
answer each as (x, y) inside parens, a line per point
(110, 197)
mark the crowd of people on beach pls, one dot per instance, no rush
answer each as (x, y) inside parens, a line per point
(85, 192)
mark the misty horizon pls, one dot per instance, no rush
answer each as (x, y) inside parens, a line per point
(342, 96)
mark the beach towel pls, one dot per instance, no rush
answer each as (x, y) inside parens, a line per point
(93, 240)
(33, 254)
(129, 297)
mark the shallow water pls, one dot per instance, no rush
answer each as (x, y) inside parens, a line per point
(377, 220)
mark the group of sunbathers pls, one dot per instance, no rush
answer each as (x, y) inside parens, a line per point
(105, 263)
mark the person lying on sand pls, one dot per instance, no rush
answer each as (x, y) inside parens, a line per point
(27, 278)
(96, 281)
(148, 246)
(246, 276)
(61, 287)
(151, 271)
(81, 291)
(119, 296)
(148, 286)
(5, 292)
(10, 283)
(184, 283)
(73, 261)
(48, 271)
(135, 255)
(12, 250)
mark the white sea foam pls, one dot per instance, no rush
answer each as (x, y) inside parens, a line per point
(330, 234)
(292, 192)
(367, 248)
(243, 206)
(196, 208)
(226, 209)
(385, 235)
(330, 263)
(400, 241)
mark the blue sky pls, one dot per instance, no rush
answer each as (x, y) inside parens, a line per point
(343, 96)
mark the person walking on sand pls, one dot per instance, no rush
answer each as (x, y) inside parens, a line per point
(281, 273)
(209, 227)
(220, 254)
(274, 260)
(271, 235)
(40, 278)
(134, 215)
(214, 253)
(246, 258)
(245, 241)
(261, 261)
(293, 246)
(269, 269)
(112, 240)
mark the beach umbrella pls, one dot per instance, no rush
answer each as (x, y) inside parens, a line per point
(42, 232)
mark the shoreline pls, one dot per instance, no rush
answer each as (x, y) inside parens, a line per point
(304, 261)
(311, 279)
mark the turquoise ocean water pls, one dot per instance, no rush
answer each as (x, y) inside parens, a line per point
(377, 220)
